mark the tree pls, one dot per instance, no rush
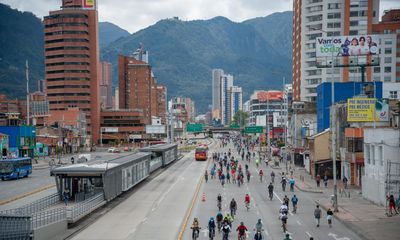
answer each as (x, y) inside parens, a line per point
(240, 118)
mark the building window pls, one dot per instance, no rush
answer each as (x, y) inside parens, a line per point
(334, 6)
(353, 23)
(387, 31)
(393, 94)
(387, 78)
(333, 25)
(377, 69)
(373, 154)
(334, 15)
(387, 69)
(388, 50)
(355, 145)
(388, 60)
(388, 41)
(380, 155)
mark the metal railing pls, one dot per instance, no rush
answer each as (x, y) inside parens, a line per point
(15, 227)
(52, 216)
(33, 207)
(81, 209)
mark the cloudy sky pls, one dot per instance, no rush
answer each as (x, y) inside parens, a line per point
(134, 15)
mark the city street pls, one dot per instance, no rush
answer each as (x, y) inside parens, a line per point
(300, 226)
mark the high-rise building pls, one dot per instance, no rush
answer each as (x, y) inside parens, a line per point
(72, 58)
(235, 101)
(389, 70)
(105, 85)
(226, 84)
(135, 85)
(216, 92)
(326, 18)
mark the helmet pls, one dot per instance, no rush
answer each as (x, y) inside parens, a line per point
(259, 220)
(241, 223)
(195, 219)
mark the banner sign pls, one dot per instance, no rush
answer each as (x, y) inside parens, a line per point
(88, 4)
(359, 45)
(367, 110)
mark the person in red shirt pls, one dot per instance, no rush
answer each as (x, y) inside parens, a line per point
(247, 201)
(241, 229)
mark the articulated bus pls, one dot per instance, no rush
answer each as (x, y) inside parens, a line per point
(200, 154)
(15, 168)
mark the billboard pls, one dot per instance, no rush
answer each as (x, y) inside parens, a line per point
(110, 129)
(88, 4)
(367, 110)
(155, 129)
(358, 45)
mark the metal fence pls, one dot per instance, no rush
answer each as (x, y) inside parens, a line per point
(52, 216)
(80, 197)
(80, 210)
(33, 207)
(15, 227)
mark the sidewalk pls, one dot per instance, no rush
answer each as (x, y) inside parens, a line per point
(362, 216)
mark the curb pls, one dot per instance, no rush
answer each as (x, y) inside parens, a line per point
(308, 190)
(350, 225)
(26, 194)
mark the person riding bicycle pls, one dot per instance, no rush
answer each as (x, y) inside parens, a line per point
(219, 198)
(270, 190)
(219, 219)
(287, 237)
(196, 228)
(211, 227)
(225, 230)
(291, 183)
(284, 219)
(247, 200)
(248, 175)
(261, 174)
(233, 207)
(283, 209)
(258, 230)
(227, 219)
(241, 229)
(283, 182)
(257, 162)
(246, 167)
(294, 200)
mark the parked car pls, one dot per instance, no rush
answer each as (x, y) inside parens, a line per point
(113, 150)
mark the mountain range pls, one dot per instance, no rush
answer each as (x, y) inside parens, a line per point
(257, 52)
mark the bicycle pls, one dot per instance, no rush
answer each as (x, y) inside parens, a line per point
(294, 208)
(211, 233)
(219, 205)
(242, 237)
(225, 236)
(271, 194)
(284, 227)
(247, 206)
(195, 234)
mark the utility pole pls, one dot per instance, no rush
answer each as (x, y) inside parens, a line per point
(27, 92)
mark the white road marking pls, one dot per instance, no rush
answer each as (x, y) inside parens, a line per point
(205, 231)
(298, 222)
(337, 238)
(309, 235)
(280, 200)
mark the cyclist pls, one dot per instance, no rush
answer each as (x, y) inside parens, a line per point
(219, 219)
(246, 167)
(219, 198)
(270, 190)
(241, 229)
(272, 176)
(284, 219)
(228, 219)
(226, 229)
(257, 162)
(287, 237)
(206, 176)
(283, 209)
(286, 201)
(211, 228)
(258, 229)
(291, 184)
(261, 174)
(233, 207)
(248, 175)
(196, 228)
(247, 201)
(283, 182)
(294, 200)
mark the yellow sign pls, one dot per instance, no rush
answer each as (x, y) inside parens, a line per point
(88, 4)
(361, 109)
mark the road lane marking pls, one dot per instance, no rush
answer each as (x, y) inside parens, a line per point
(298, 222)
(280, 200)
(309, 235)
(27, 194)
(337, 238)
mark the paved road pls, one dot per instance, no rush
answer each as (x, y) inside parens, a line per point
(157, 208)
(40, 178)
(300, 226)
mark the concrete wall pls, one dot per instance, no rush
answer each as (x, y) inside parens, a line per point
(321, 146)
(381, 145)
(51, 231)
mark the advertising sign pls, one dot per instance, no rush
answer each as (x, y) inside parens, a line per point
(88, 4)
(155, 129)
(110, 129)
(367, 110)
(358, 45)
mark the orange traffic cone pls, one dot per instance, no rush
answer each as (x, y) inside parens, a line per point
(204, 197)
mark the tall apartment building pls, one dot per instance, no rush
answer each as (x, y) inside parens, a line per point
(216, 92)
(105, 85)
(135, 85)
(226, 84)
(235, 101)
(389, 70)
(71, 60)
(326, 18)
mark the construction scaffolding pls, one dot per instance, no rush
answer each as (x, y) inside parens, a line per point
(392, 181)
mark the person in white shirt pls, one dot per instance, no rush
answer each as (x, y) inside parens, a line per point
(364, 49)
(354, 48)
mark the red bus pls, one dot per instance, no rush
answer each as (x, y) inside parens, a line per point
(200, 154)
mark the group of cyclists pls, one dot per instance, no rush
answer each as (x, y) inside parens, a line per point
(227, 169)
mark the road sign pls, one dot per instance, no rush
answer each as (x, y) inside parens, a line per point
(234, 126)
(253, 129)
(194, 127)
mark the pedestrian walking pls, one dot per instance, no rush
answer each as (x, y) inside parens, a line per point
(66, 196)
(326, 180)
(317, 215)
(345, 180)
(392, 205)
(72, 160)
(206, 176)
(329, 216)
(318, 180)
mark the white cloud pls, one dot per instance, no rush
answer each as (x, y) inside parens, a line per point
(134, 15)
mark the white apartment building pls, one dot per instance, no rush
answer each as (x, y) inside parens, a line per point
(325, 18)
(235, 101)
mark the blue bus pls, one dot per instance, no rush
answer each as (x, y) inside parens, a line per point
(15, 168)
